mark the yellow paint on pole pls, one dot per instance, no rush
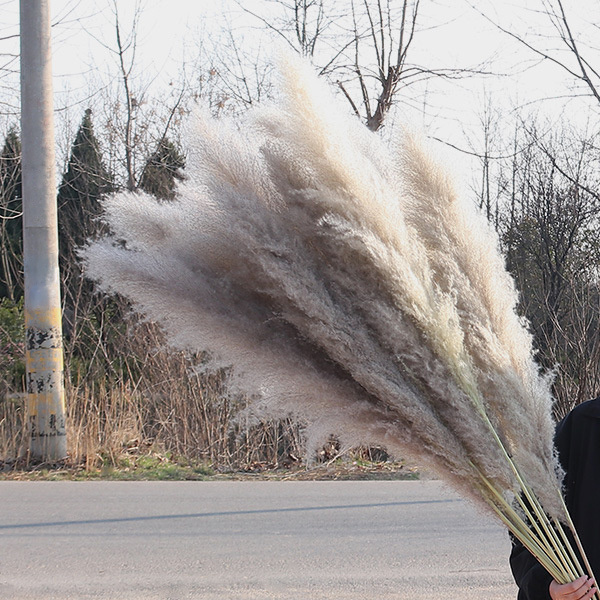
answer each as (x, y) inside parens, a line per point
(45, 384)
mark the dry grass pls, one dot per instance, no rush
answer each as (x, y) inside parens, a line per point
(158, 405)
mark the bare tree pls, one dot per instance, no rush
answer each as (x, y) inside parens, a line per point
(9, 61)
(236, 78)
(133, 121)
(585, 72)
(301, 24)
(366, 47)
(549, 228)
(125, 47)
(561, 45)
(390, 47)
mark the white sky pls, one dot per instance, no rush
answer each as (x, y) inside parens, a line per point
(170, 32)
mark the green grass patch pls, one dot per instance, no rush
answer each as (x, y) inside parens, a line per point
(159, 466)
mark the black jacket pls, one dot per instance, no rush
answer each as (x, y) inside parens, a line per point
(578, 443)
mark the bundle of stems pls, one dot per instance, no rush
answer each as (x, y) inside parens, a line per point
(349, 286)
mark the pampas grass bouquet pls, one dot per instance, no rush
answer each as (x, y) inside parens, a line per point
(347, 285)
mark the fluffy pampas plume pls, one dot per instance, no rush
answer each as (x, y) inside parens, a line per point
(350, 287)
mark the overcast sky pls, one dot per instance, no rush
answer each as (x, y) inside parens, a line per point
(453, 35)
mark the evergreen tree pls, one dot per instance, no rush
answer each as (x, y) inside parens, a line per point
(82, 186)
(11, 218)
(162, 171)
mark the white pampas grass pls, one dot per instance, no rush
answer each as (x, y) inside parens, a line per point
(349, 286)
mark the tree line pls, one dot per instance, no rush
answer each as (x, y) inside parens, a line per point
(127, 394)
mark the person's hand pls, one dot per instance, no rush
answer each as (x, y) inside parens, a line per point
(580, 589)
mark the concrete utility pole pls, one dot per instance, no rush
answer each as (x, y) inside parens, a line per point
(44, 355)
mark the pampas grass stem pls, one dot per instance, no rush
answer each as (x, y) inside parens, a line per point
(577, 539)
(519, 528)
(552, 547)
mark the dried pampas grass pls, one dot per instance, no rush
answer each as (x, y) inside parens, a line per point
(350, 287)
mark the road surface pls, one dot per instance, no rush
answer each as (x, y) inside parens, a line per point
(361, 540)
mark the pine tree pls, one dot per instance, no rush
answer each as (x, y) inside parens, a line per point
(11, 218)
(83, 185)
(162, 171)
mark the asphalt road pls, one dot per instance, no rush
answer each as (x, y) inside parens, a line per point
(247, 541)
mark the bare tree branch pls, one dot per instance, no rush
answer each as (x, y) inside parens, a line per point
(125, 74)
(563, 28)
(574, 48)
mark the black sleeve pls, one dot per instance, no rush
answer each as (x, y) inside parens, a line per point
(531, 578)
